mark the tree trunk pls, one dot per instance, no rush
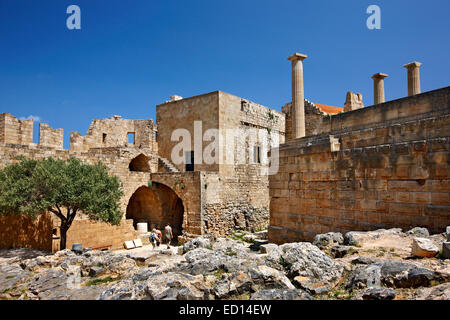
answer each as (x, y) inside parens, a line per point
(62, 241)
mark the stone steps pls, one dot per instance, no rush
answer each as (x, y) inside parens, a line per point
(168, 165)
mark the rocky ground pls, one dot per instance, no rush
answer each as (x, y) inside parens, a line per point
(383, 264)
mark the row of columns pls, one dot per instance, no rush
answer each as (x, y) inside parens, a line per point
(298, 95)
(413, 82)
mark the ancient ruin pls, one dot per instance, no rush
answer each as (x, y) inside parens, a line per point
(338, 169)
(369, 168)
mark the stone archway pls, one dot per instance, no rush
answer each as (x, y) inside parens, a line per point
(140, 164)
(157, 205)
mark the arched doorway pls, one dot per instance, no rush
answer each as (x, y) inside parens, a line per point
(157, 206)
(140, 164)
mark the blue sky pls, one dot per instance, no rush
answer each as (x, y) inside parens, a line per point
(130, 56)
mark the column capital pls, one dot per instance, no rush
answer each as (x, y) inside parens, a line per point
(297, 56)
(414, 64)
(379, 75)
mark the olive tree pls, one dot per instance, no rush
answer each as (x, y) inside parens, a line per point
(62, 187)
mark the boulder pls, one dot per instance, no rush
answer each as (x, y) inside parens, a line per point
(199, 242)
(439, 292)
(268, 248)
(378, 294)
(328, 239)
(394, 274)
(356, 238)
(306, 260)
(446, 250)
(265, 277)
(124, 290)
(418, 232)
(204, 261)
(281, 294)
(234, 284)
(424, 248)
(231, 247)
(364, 276)
(176, 286)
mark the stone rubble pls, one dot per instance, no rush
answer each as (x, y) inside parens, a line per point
(204, 269)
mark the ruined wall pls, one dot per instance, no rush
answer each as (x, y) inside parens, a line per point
(13, 130)
(314, 118)
(113, 132)
(49, 137)
(388, 169)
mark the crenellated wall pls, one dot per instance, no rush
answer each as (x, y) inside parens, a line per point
(13, 130)
(49, 137)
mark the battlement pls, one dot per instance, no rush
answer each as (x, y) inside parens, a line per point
(15, 131)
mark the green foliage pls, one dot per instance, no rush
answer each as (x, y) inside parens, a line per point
(150, 184)
(63, 187)
(30, 187)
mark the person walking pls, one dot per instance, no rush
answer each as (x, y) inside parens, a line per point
(158, 237)
(169, 235)
(153, 237)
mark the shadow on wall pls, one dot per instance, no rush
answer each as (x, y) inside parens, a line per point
(24, 232)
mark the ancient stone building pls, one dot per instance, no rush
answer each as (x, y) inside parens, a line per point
(381, 166)
(198, 198)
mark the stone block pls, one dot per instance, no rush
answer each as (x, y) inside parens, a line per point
(424, 248)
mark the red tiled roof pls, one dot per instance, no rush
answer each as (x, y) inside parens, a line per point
(329, 109)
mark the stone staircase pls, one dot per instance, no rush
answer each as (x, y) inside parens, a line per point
(167, 164)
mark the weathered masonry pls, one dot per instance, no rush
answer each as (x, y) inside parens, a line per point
(376, 167)
(195, 199)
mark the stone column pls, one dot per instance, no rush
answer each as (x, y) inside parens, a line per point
(378, 87)
(413, 78)
(298, 96)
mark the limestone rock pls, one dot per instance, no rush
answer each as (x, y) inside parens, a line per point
(394, 274)
(424, 248)
(281, 294)
(176, 286)
(419, 232)
(378, 294)
(355, 238)
(439, 292)
(268, 248)
(236, 283)
(204, 261)
(328, 239)
(199, 242)
(124, 290)
(306, 260)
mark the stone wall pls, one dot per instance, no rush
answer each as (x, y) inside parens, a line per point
(314, 119)
(25, 232)
(13, 130)
(114, 132)
(49, 137)
(377, 167)
(181, 114)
